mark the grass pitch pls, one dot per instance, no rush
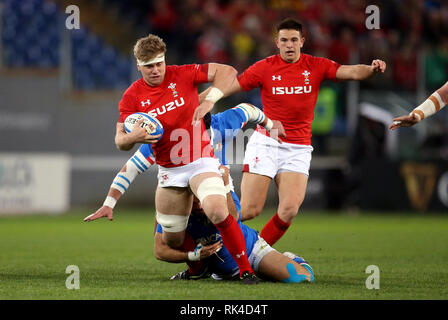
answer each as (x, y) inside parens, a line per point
(116, 259)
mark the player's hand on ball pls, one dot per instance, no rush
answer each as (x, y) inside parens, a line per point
(404, 121)
(140, 135)
(201, 111)
(378, 66)
(102, 212)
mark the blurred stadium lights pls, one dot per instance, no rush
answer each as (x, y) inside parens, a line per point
(98, 59)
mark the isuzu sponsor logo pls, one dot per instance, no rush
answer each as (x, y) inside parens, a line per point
(291, 90)
(167, 107)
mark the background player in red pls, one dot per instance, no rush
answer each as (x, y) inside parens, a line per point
(289, 84)
(184, 155)
(433, 104)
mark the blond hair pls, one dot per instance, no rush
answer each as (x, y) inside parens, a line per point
(148, 47)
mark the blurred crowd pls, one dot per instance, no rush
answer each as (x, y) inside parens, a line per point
(239, 32)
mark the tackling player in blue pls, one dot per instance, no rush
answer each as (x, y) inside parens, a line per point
(204, 253)
(203, 240)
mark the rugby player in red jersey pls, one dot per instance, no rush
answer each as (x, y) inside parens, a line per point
(186, 162)
(289, 83)
(433, 104)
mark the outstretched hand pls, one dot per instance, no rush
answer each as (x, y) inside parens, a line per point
(201, 111)
(102, 212)
(404, 121)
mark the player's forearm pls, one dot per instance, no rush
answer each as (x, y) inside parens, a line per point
(203, 94)
(434, 103)
(362, 72)
(443, 92)
(165, 253)
(136, 165)
(254, 114)
(124, 141)
(112, 198)
(223, 78)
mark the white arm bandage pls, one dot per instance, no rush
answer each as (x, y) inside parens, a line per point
(214, 95)
(196, 254)
(110, 202)
(135, 165)
(253, 114)
(430, 106)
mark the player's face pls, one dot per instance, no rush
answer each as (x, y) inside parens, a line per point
(289, 42)
(154, 73)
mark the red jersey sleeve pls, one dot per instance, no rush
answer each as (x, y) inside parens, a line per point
(252, 77)
(198, 73)
(329, 68)
(127, 105)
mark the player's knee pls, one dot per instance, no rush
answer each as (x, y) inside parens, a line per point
(173, 227)
(215, 209)
(287, 210)
(250, 211)
(287, 213)
(212, 195)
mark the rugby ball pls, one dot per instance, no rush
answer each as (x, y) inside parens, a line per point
(151, 124)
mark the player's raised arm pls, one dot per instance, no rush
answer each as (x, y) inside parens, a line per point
(431, 105)
(360, 71)
(224, 82)
(137, 164)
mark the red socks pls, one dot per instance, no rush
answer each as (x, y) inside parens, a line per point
(233, 240)
(274, 229)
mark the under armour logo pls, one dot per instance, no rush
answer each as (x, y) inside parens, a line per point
(148, 102)
(276, 78)
(240, 255)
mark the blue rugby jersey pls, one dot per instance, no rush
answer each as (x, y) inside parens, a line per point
(225, 126)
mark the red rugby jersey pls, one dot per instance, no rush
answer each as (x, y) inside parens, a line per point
(173, 103)
(289, 91)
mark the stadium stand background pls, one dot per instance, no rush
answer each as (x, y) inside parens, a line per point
(59, 88)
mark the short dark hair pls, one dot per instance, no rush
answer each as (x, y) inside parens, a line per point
(290, 23)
